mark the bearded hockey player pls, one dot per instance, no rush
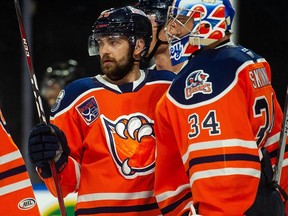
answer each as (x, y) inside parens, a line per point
(102, 133)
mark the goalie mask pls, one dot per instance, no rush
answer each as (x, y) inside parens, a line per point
(126, 21)
(203, 21)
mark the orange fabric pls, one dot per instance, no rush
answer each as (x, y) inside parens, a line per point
(16, 192)
(116, 152)
(215, 140)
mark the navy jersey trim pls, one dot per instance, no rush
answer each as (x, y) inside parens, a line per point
(222, 157)
(72, 91)
(78, 87)
(218, 67)
(116, 209)
(174, 205)
(13, 172)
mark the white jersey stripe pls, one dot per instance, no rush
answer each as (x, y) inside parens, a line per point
(10, 157)
(224, 172)
(114, 196)
(218, 144)
(168, 194)
(272, 140)
(15, 186)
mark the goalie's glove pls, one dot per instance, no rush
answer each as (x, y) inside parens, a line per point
(47, 142)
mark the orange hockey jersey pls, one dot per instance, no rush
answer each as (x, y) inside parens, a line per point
(218, 112)
(16, 193)
(110, 131)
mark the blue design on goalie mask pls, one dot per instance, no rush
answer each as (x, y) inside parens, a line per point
(211, 20)
(177, 50)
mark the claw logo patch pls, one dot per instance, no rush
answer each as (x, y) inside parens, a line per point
(196, 82)
(131, 142)
(181, 50)
(88, 110)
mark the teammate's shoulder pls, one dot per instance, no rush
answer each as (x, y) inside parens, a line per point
(156, 75)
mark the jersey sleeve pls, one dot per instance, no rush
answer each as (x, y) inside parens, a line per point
(69, 177)
(17, 195)
(68, 120)
(172, 188)
(271, 120)
(272, 145)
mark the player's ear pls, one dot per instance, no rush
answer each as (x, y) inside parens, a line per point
(139, 46)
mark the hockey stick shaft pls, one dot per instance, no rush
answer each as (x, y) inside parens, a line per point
(38, 101)
(282, 142)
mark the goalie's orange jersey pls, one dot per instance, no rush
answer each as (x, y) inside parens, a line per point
(219, 110)
(110, 131)
(16, 192)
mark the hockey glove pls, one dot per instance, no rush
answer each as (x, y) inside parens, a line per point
(47, 142)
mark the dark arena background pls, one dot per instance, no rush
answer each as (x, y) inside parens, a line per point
(59, 30)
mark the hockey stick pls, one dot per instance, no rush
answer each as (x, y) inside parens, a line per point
(282, 142)
(38, 101)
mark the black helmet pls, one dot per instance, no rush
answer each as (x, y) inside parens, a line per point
(57, 76)
(157, 7)
(127, 21)
(61, 72)
(65, 71)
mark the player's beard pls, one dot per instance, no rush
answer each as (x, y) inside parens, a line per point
(119, 69)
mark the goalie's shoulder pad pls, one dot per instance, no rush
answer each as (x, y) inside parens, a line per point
(211, 74)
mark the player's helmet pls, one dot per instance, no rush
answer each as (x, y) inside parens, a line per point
(64, 71)
(212, 20)
(60, 73)
(126, 21)
(157, 7)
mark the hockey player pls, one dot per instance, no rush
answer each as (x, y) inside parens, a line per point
(157, 10)
(101, 135)
(16, 192)
(57, 76)
(219, 122)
